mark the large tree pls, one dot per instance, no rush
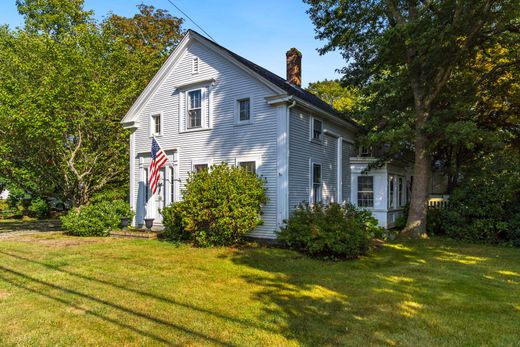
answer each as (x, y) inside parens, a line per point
(65, 84)
(343, 98)
(415, 45)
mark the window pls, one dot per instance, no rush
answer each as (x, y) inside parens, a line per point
(172, 185)
(317, 130)
(195, 109)
(249, 166)
(195, 66)
(391, 191)
(146, 186)
(316, 183)
(156, 124)
(244, 110)
(365, 194)
(199, 167)
(400, 200)
(365, 151)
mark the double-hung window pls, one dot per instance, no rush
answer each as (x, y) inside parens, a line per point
(155, 126)
(195, 109)
(365, 193)
(400, 192)
(316, 183)
(244, 110)
(200, 167)
(316, 130)
(391, 192)
(249, 166)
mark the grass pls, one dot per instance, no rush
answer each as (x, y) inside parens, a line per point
(62, 290)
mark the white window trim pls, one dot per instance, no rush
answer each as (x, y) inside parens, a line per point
(151, 124)
(236, 110)
(311, 127)
(205, 105)
(195, 65)
(311, 181)
(194, 162)
(258, 163)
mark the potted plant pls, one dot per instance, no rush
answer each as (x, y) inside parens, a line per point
(148, 223)
(124, 222)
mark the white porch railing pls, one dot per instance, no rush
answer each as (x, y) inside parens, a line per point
(438, 201)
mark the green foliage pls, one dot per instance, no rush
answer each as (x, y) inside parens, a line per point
(418, 63)
(96, 219)
(343, 99)
(219, 207)
(333, 231)
(39, 208)
(68, 84)
(486, 206)
(115, 192)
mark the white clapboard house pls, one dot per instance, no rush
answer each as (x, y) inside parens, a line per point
(208, 105)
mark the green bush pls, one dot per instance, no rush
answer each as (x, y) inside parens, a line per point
(332, 232)
(219, 207)
(39, 208)
(110, 194)
(96, 219)
(485, 207)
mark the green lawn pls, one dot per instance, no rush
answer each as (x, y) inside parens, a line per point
(68, 291)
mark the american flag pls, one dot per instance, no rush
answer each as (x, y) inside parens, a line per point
(158, 161)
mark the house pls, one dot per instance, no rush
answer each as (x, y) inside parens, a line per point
(208, 105)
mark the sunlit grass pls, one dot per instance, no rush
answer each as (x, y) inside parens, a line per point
(68, 291)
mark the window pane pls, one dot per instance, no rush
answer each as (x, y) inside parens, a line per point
(195, 118)
(391, 191)
(157, 123)
(249, 166)
(244, 109)
(365, 194)
(199, 167)
(195, 97)
(172, 185)
(316, 173)
(317, 129)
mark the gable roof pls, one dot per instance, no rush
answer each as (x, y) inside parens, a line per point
(282, 83)
(264, 74)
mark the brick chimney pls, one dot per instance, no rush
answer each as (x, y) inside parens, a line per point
(294, 67)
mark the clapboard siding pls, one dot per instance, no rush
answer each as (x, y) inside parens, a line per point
(225, 141)
(348, 151)
(302, 151)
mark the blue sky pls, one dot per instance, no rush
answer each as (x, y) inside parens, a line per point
(261, 31)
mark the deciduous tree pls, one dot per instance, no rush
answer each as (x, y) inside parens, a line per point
(419, 44)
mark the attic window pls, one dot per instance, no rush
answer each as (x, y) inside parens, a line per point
(195, 66)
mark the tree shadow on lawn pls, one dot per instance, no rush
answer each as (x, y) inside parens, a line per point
(399, 295)
(7, 226)
(22, 281)
(168, 300)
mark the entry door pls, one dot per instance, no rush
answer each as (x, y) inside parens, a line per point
(156, 202)
(159, 197)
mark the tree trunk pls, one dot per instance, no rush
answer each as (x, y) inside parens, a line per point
(416, 223)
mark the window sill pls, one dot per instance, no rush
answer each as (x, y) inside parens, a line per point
(241, 123)
(318, 142)
(193, 130)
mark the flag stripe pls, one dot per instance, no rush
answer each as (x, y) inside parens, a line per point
(159, 158)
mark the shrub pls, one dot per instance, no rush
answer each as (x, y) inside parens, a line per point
(219, 207)
(333, 231)
(96, 219)
(485, 207)
(111, 193)
(39, 208)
